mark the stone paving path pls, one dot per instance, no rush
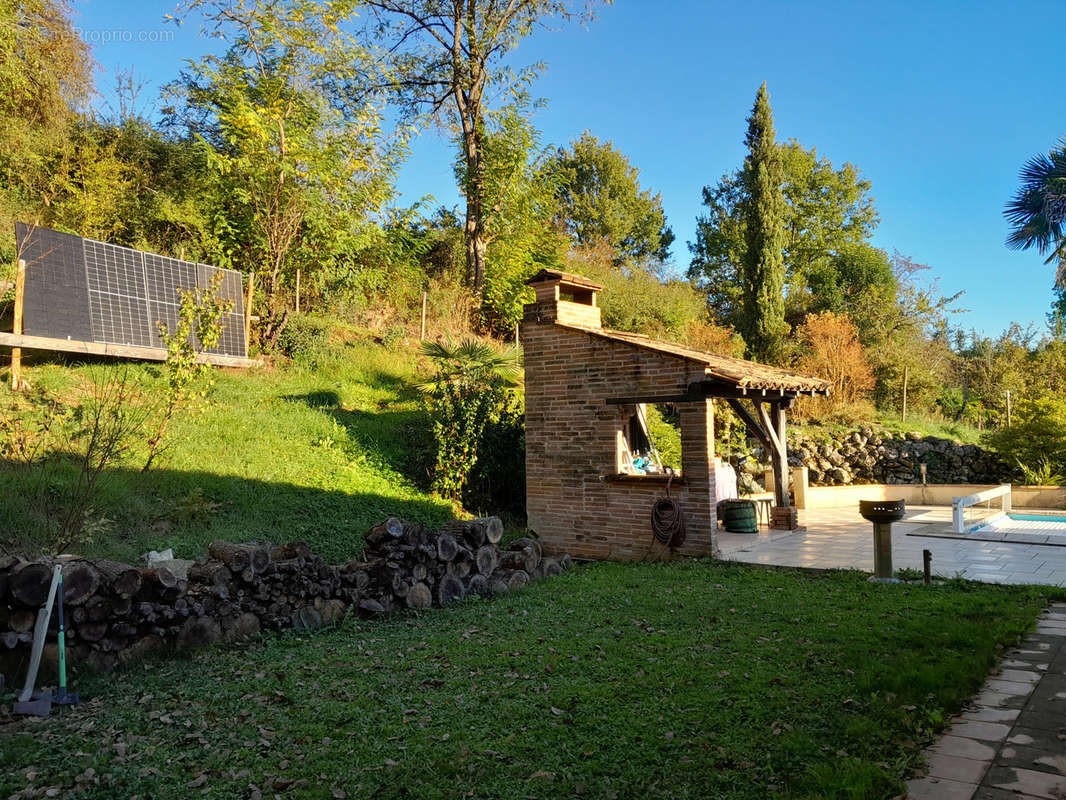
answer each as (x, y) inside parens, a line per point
(1011, 743)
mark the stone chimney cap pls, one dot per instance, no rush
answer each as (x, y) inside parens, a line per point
(564, 279)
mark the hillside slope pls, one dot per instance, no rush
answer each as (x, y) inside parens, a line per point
(316, 451)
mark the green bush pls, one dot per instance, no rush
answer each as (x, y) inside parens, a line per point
(648, 301)
(497, 483)
(470, 388)
(1037, 439)
(304, 338)
(664, 429)
(393, 337)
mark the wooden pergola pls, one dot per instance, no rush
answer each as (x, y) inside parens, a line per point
(760, 395)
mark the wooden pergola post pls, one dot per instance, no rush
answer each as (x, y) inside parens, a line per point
(781, 471)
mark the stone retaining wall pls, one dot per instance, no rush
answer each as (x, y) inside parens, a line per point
(871, 456)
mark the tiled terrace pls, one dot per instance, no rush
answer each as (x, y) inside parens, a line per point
(840, 538)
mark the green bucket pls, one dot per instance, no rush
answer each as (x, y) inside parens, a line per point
(738, 516)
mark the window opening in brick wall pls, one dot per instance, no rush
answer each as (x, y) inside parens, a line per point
(638, 453)
(664, 430)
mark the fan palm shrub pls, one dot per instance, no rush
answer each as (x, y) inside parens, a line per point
(470, 386)
(1037, 212)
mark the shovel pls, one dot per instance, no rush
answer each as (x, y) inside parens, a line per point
(27, 703)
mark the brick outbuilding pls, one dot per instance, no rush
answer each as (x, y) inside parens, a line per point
(586, 388)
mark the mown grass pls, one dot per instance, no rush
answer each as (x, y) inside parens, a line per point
(291, 452)
(688, 680)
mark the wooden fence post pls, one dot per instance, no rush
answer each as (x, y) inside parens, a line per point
(422, 330)
(906, 377)
(297, 291)
(16, 352)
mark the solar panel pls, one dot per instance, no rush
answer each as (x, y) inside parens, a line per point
(86, 290)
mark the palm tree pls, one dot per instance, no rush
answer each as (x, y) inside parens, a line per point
(472, 361)
(468, 390)
(1037, 212)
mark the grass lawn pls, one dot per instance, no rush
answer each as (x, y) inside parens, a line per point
(696, 679)
(318, 453)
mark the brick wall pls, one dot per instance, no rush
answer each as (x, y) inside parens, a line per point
(572, 440)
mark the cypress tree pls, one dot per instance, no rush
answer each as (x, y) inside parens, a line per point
(764, 326)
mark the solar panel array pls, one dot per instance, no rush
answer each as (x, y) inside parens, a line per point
(86, 290)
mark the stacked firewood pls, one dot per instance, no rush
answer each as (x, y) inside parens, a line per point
(414, 567)
(116, 612)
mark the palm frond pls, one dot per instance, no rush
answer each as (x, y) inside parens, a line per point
(471, 360)
(1037, 212)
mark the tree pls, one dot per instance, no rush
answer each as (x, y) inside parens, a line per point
(448, 55)
(763, 318)
(45, 74)
(292, 128)
(1037, 439)
(1056, 318)
(1037, 212)
(520, 191)
(832, 351)
(909, 333)
(647, 301)
(854, 279)
(199, 327)
(989, 368)
(600, 199)
(829, 218)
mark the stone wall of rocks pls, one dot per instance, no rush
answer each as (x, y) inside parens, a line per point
(871, 456)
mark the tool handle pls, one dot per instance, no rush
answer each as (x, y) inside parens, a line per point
(62, 641)
(40, 632)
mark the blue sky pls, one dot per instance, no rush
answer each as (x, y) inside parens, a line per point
(937, 103)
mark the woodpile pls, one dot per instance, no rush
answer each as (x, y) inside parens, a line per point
(116, 612)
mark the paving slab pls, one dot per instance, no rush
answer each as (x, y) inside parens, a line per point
(982, 731)
(838, 538)
(954, 768)
(1026, 781)
(938, 789)
(1018, 675)
(949, 745)
(987, 714)
(1034, 757)
(1010, 742)
(986, 793)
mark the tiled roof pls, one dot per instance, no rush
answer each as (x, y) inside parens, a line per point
(736, 371)
(546, 275)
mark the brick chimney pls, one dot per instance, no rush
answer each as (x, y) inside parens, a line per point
(564, 298)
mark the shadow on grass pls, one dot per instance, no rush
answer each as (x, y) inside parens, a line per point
(399, 439)
(134, 512)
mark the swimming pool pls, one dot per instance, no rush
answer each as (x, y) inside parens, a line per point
(1022, 528)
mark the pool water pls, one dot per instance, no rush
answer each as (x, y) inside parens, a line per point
(1038, 517)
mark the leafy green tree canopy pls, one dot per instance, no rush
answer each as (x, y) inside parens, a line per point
(600, 198)
(291, 118)
(829, 217)
(447, 60)
(45, 73)
(520, 191)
